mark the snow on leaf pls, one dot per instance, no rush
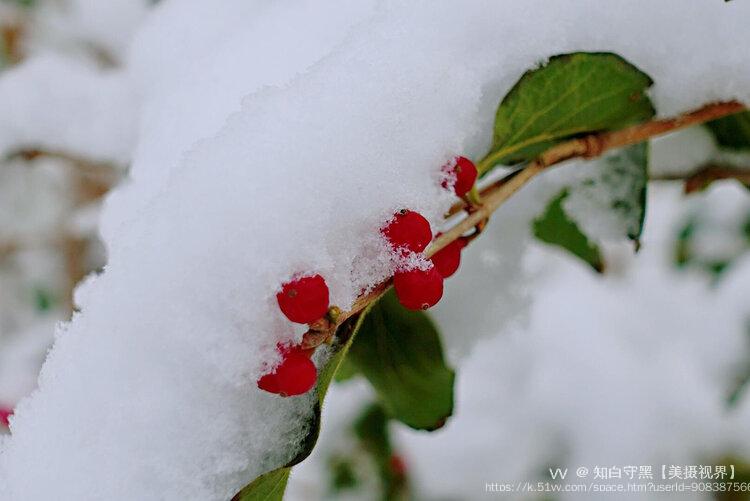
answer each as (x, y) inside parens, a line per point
(610, 200)
(555, 227)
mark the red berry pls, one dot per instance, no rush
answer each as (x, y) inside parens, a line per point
(418, 289)
(269, 383)
(304, 300)
(408, 230)
(465, 173)
(295, 375)
(5, 415)
(447, 259)
(398, 466)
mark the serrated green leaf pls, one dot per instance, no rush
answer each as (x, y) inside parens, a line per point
(556, 228)
(400, 353)
(255, 491)
(572, 94)
(732, 132)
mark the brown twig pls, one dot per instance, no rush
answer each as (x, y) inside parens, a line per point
(591, 146)
(594, 145)
(698, 180)
(10, 36)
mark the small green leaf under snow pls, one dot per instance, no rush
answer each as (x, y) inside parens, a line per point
(555, 227)
(400, 353)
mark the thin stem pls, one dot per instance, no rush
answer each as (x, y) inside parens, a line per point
(701, 178)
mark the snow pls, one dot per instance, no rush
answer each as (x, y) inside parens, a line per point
(267, 139)
(100, 29)
(632, 368)
(601, 197)
(33, 198)
(682, 152)
(650, 356)
(718, 219)
(67, 105)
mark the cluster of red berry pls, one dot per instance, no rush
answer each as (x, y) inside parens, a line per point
(419, 288)
(305, 300)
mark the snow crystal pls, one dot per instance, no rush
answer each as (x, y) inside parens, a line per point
(271, 139)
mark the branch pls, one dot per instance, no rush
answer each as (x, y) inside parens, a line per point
(696, 181)
(591, 146)
(616, 139)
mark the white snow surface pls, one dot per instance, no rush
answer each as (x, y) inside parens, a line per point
(274, 138)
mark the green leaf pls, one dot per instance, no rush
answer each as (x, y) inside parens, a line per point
(732, 132)
(572, 95)
(688, 254)
(22, 3)
(370, 453)
(43, 299)
(683, 254)
(371, 427)
(400, 353)
(556, 228)
(619, 184)
(260, 488)
(629, 167)
(268, 487)
(742, 379)
(347, 370)
(343, 475)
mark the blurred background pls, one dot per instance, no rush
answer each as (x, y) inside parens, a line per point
(560, 367)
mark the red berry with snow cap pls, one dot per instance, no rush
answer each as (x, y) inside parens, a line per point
(418, 289)
(448, 259)
(304, 300)
(408, 230)
(295, 375)
(464, 172)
